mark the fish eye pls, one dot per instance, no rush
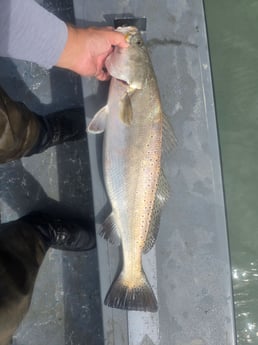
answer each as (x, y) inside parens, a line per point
(137, 40)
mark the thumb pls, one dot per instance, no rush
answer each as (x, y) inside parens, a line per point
(117, 39)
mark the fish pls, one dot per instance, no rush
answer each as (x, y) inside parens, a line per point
(136, 132)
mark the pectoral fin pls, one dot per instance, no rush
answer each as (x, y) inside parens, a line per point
(98, 123)
(126, 110)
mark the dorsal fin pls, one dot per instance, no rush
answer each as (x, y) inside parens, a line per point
(161, 197)
(168, 136)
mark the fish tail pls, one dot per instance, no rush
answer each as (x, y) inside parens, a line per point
(133, 296)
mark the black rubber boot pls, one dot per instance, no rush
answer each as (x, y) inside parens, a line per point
(60, 233)
(60, 127)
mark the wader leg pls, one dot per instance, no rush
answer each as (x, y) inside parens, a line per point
(21, 254)
(19, 129)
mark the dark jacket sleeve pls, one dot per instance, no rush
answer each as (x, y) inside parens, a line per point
(29, 32)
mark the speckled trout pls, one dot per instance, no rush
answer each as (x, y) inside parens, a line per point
(134, 128)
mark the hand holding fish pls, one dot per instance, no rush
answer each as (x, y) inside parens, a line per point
(87, 49)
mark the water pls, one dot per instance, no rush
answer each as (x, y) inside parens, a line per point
(233, 39)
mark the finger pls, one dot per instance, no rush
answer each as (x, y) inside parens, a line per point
(103, 76)
(110, 28)
(100, 67)
(102, 72)
(118, 39)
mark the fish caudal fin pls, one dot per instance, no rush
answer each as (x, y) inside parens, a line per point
(133, 296)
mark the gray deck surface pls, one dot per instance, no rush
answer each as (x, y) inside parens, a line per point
(189, 267)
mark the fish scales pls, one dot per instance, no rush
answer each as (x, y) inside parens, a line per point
(132, 122)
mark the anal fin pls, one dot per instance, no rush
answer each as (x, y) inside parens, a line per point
(110, 231)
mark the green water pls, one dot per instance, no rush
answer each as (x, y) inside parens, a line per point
(233, 40)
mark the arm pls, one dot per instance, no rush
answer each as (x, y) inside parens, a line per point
(29, 32)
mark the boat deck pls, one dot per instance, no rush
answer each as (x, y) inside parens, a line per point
(189, 267)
